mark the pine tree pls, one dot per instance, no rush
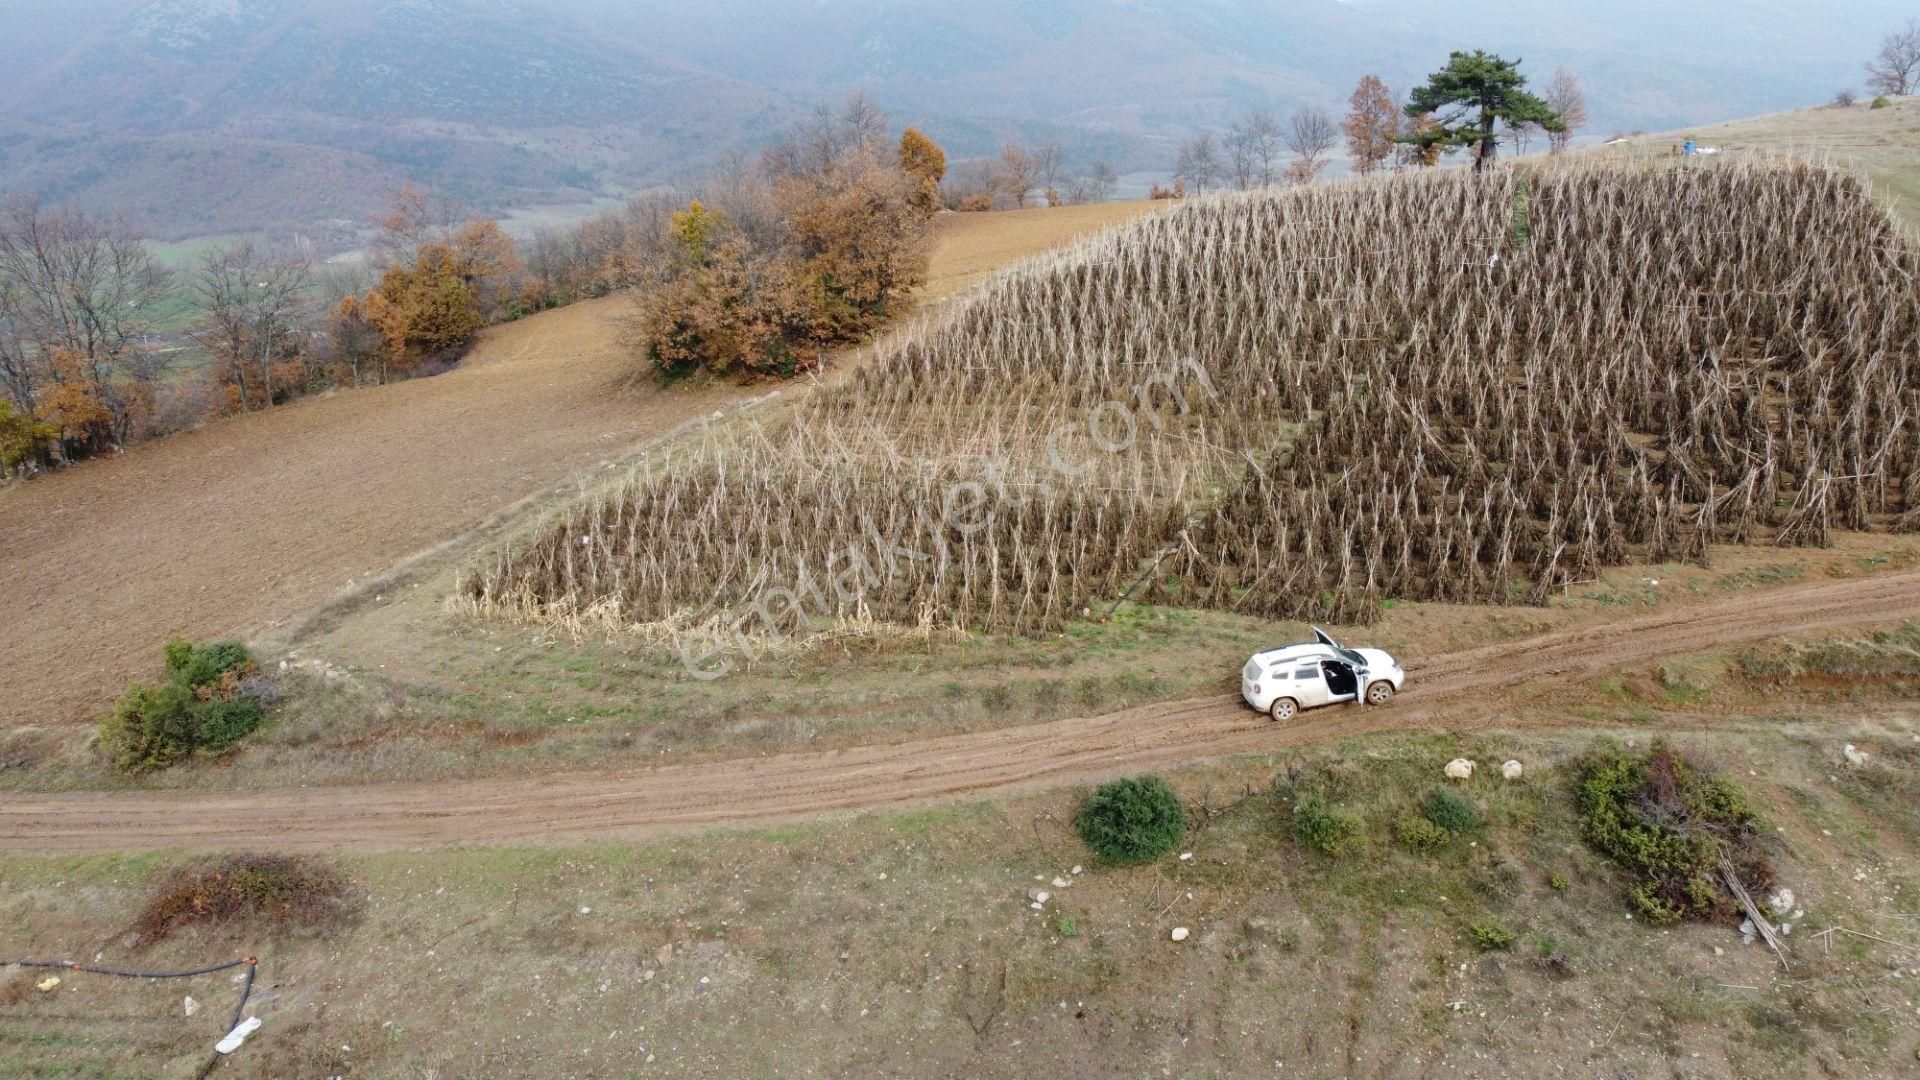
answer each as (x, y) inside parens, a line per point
(1468, 97)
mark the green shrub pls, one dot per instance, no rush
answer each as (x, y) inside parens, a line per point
(222, 722)
(176, 651)
(1560, 883)
(151, 727)
(280, 891)
(1667, 820)
(1881, 102)
(205, 665)
(1416, 833)
(1451, 811)
(198, 709)
(1491, 935)
(1132, 821)
(1327, 830)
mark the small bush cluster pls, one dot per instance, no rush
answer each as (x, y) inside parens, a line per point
(1667, 819)
(211, 700)
(1417, 834)
(1132, 821)
(279, 891)
(1325, 829)
(1451, 811)
(1491, 935)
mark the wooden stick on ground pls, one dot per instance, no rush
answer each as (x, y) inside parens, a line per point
(1767, 932)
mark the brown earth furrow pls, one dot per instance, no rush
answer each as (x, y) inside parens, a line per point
(250, 526)
(786, 787)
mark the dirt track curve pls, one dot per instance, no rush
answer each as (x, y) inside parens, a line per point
(585, 806)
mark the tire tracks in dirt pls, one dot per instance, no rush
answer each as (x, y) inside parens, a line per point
(585, 807)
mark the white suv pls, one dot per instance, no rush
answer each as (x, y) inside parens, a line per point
(1281, 682)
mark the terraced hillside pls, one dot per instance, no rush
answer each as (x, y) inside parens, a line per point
(1301, 404)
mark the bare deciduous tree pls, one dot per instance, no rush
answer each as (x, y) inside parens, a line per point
(86, 287)
(251, 300)
(1252, 145)
(1096, 186)
(1018, 173)
(1049, 169)
(1522, 135)
(1563, 96)
(1310, 134)
(827, 139)
(1198, 165)
(1895, 69)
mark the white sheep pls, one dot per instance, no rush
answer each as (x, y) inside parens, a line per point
(1511, 770)
(1460, 769)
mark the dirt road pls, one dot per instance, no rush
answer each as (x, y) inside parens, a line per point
(586, 807)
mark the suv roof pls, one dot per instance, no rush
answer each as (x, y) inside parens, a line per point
(1286, 653)
(1323, 647)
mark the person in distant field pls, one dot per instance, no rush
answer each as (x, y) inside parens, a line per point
(1689, 148)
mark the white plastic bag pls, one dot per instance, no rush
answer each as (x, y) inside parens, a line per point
(238, 1035)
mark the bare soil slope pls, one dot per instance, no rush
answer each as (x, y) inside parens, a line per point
(246, 526)
(243, 525)
(1459, 687)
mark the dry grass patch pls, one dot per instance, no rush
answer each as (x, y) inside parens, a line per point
(276, 893)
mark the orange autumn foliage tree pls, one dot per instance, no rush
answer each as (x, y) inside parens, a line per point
(727, 309)
(922, 159)
(436, 296)
(75, 407)
(1371, 125)
(425, 312)
(816, 248)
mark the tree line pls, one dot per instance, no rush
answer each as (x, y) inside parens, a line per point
(768, 263)
(98, 338)
(1473, 104)
(772, 263)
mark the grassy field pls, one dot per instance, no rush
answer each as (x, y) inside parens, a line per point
(906, 944)
(1881, 144)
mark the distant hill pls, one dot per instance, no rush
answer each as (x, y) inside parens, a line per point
(192, 116)
(197, 116)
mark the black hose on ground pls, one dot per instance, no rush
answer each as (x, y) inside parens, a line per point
(246, 991)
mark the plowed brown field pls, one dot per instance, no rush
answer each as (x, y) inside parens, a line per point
(246, 526)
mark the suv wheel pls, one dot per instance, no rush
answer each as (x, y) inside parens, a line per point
(1284, 709)
(1379, 693)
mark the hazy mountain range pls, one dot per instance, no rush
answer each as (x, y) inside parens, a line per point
(195, 117)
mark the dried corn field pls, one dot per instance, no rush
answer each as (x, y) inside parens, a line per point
(1299, 403)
